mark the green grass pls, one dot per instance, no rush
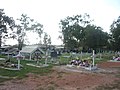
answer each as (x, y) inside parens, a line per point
(86, 56)
(64, 61)
(2, 56)
(25, 70)
(45, 70)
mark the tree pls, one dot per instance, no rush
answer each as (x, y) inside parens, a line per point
(78, 32)
(27, 24)
(46, 39)
(47, 42)
(38, 28)
(115, 34)
(95, 38)
(22, 27)
(73, 30)
(5, 23)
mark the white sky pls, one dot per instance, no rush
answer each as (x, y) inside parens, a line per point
(50, 12)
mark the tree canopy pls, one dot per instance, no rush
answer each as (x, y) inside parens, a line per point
(27, 24)
(115, 34)
(73, 29)
(95, 38)
(6, 23)
(77, 31)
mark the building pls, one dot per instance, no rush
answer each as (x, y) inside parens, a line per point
(30, 51)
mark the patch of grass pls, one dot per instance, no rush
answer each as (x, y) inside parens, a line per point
(26, 69)
(100, 61)
(86, 56)
(2, 56)
(63, 61)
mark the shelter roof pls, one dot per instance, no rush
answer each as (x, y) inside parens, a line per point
(31, 49)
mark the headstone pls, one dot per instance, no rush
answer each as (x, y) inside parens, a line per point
(53, 54)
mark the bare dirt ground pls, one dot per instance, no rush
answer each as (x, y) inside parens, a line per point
(62, 79)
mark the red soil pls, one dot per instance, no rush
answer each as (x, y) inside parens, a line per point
(62, 80)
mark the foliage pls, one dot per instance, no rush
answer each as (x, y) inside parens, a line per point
(73, 30)
(23, 25)
(78, 32)
(6, 24)
(38, 28)
(115, 34)
(95, 37)
(27, 24)
(47, 39)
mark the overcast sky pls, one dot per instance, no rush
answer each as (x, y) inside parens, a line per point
(50, 12)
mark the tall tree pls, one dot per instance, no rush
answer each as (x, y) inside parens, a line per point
(95, 38)
(47, 42)
(73, 30)
(6, 23)
(22, 27)
(46, 39)
(27, 24)
(115, 34)
(78, 32)
(38, 28)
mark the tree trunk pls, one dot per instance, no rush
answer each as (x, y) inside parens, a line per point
(0, 41)
(20, 44)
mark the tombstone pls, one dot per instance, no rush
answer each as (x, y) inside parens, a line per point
(37, 56)
(53, 55)
(18, 57)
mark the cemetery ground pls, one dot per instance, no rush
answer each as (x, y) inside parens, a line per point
(55, 77)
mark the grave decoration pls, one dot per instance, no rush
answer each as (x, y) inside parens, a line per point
(115, 59)
(80, 62)
(86, 64)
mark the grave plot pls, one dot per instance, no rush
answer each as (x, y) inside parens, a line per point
(115, 59)
(85, 64)
(7, 64)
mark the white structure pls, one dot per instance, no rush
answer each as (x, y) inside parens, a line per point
(18, 57)
(93, 58)
(28, 51)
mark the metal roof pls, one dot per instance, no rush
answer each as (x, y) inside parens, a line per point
(31, 49)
